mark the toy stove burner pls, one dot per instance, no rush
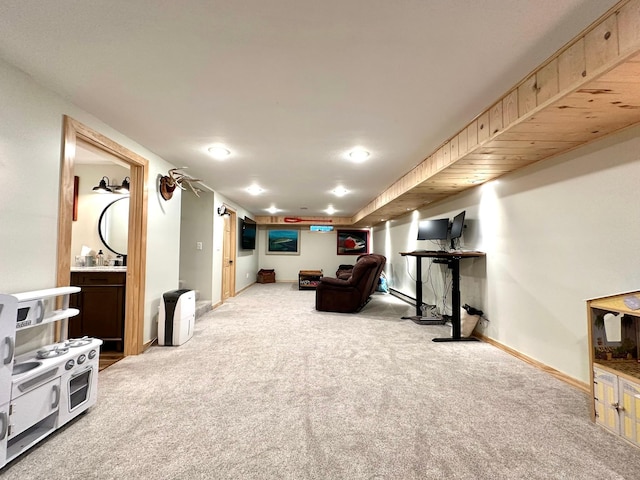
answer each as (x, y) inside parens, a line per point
(51, 351)
(78, 342)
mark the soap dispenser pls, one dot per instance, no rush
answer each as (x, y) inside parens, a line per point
(100, 259)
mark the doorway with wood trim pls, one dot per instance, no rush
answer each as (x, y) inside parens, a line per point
(229, 255)
(74, 132)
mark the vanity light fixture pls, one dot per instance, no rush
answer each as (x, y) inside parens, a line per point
(105, 186)
(340, 191)
(219, 152)
(124, 188)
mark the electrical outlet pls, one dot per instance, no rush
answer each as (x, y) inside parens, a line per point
(198, 245)
(247, 274)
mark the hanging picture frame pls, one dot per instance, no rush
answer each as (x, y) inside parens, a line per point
(353, 242)
(76, 189)
(283, 242)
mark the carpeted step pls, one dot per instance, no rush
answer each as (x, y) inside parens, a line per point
(202, 307)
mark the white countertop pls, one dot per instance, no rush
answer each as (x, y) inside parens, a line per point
(99, 269)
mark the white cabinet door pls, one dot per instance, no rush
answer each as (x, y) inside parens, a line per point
(33, 406)
(8, 306)
(606, 399)
(630, 412)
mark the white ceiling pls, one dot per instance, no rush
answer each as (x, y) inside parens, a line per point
(289, 86)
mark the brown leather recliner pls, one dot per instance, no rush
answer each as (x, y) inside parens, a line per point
(376, 277)
(344, 271)
(349, 296)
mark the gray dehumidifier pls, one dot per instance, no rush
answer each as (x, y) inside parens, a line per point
(177, 317)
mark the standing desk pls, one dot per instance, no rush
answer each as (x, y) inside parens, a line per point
(452, 260)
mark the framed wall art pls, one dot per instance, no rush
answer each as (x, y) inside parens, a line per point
(76, 189)
(353, 242)
(283, 242)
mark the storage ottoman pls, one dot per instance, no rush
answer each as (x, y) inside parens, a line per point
(266, 276)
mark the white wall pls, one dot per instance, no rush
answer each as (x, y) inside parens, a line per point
(318, 251)
(555, 233)
(197, 227)
(30, 145)
(202, 269)
(163, 246)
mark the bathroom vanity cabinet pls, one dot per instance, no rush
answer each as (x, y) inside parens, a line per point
(101, 303)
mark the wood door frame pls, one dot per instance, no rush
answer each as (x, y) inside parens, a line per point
(233, 227)
(73, 131)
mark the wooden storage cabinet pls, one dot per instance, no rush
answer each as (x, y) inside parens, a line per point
(309, 279)
(629, 398)
(101, 303)
(605, 398)
(617, 404)
(615, 367)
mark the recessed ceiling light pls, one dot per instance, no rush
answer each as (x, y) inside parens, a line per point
(272, 210)
(340, 191)
(330, 210)
(219, 152)
(358, 155)
(255, 190)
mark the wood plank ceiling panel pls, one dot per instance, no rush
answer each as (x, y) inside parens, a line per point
(588, 89)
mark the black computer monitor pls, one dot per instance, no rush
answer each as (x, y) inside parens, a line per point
(433, 229)
(456, 227)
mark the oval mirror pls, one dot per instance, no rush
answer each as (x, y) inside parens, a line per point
(113, 226)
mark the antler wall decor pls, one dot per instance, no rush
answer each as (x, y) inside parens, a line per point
(176, 178)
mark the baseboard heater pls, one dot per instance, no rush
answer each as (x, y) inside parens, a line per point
(434, 319)
(403, 296)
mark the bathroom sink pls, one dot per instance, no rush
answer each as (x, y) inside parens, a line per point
(19, 368)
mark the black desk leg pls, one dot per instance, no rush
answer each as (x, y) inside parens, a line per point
(418, 316)
(418, 286)
(454, 265)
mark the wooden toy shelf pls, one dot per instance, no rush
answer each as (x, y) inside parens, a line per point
(613, 365)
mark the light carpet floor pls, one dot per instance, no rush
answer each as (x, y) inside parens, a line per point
(268, 388)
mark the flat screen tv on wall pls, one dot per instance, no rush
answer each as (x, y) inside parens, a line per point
(248, 234)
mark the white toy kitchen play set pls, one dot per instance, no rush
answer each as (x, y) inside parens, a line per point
(42, 390)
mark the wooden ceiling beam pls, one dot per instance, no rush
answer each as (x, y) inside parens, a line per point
(588, 89)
